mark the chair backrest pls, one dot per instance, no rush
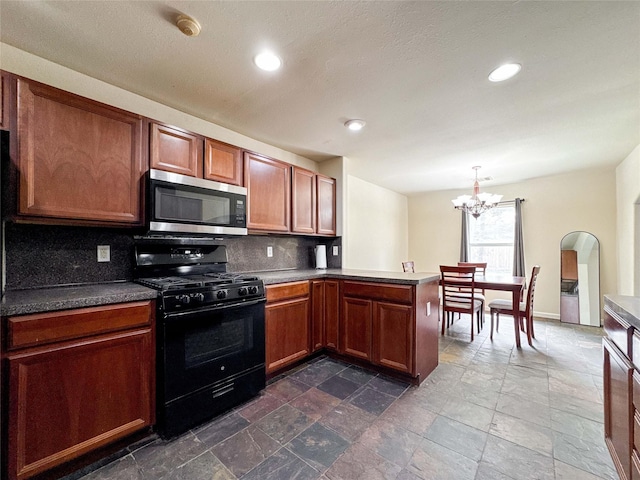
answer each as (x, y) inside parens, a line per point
(408, 267)
(481, 267)
(532, 286)
(458, 288)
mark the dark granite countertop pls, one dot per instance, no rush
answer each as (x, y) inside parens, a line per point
(627, 307)
(22, 302)
(283, 276)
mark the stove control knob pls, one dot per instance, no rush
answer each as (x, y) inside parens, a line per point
(242, 291)
(253, 289)
(221, 294)
(199, 297)
(184, 299)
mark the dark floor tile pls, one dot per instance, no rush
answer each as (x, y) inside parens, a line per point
(509, 459)
(338, 387)
(433, 461)
(287, 389)
(318, 372)
(361, 463)
(124, 468)
(161, 457)
(357, 375)
(409, 415)
(204, 467)
(220, 429)
(372, 401)
(283, 465)
(318, 446)
(315, 403)
(387, 385)
(246, 449)
(457, 436)
(259, 407)
(284, 423)
(582, 454)
(348, 420)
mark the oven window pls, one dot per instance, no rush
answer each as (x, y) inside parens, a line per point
(213, 342)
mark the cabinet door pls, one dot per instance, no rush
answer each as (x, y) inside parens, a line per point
(393, 336)
(78, 159)
(69, 399)
(287, 333)
(5, 101)
(618, 408)
(331, 313)
(326, 205)
(303, 201)
(222, 162)
(317, 314)
(569, 265)
(268, 193)
(356, 327)
(176, 150)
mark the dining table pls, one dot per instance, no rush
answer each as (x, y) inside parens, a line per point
(505, 283)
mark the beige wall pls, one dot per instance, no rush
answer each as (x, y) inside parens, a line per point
(36, 68)
(375, 236)
(554, 206)
(628, 216)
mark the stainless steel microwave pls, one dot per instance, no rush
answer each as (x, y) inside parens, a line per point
(182, 204)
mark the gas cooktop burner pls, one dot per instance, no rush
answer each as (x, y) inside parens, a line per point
(190, 281)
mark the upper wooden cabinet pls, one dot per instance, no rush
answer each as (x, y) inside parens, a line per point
(303, 201)
(569, 265)
(78, 160)
(5, 101)
(268, 186)
(326, 205)
(176, 150)
(222, 162)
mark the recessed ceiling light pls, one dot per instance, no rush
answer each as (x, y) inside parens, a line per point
(504, 72)
(267, 61)
(355, 124)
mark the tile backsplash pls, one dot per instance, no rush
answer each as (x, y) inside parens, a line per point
(47, 255)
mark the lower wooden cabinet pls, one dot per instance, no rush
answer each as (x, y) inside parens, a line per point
(287, 329)
(355, 337)
(331, 314)
(393, 336)
(67, 398)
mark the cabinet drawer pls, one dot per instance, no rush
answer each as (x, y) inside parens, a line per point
(618, 331)
(43, 328)
(285, 291)
(379, 291)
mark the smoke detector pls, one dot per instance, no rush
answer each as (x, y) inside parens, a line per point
(187, 25)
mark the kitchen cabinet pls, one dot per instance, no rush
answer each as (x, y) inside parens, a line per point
(77, 381)
(619, 395)
(6, 100)
(287, 324)
(569, 265)
(79, 161)
(268, 198)
(331, 313)
(303, 201)
(391, 325)
(173, 149)
(317, 315)
(326, 205)
(222, 162)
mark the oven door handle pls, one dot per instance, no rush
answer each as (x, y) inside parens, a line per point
(217, 309)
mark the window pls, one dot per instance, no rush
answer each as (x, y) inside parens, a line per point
(491, 237)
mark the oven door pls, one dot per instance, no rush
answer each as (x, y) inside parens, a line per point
(200, 348)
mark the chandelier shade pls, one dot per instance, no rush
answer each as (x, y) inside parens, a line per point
(477, 203)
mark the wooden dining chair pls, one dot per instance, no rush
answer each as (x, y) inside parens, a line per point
(481, 268)
(408, 267)
(525, 319)
(458, 293)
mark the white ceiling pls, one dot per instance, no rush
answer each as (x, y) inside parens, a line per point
(415, 71)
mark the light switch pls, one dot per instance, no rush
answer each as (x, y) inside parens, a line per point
(428, 308)
(269, 251)
(335, 250)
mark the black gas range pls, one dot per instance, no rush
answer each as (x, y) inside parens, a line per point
(209, 327)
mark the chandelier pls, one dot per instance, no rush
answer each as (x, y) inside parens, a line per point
(477, 203)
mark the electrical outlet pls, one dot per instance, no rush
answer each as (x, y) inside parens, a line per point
(335, 250)
(104, 253)
(428, 308)
(269, 251)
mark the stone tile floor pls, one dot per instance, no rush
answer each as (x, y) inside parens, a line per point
(489, 411)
